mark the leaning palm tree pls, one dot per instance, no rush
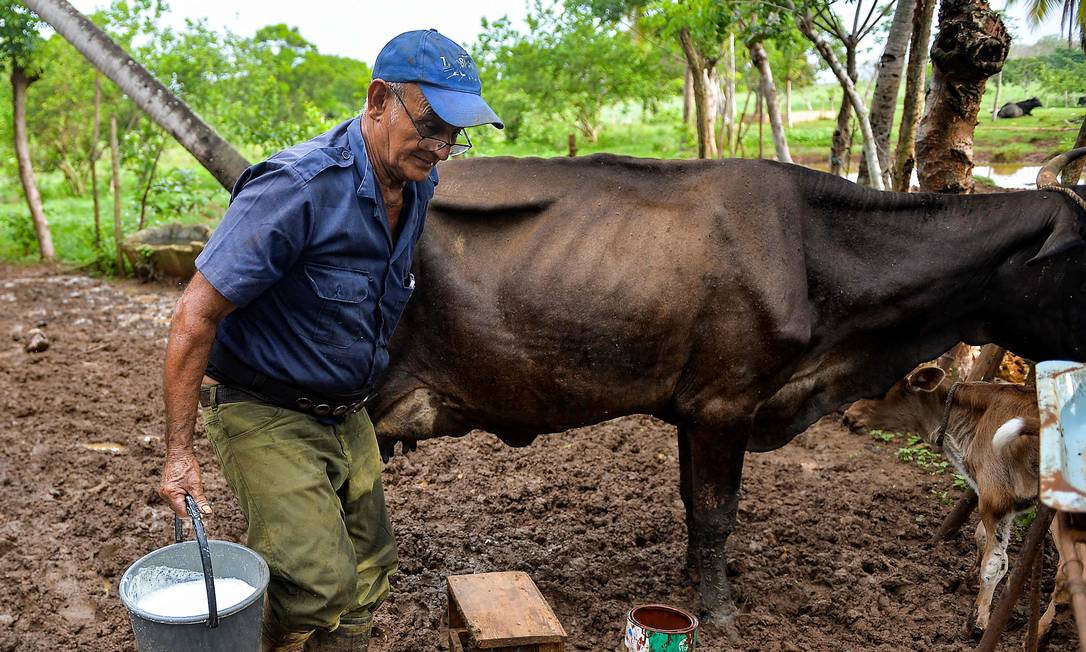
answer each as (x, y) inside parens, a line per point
(220, 158)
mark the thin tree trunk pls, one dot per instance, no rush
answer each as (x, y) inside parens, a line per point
(761, 120)
(94, 153)
(788, 102)
(147, 184)
(730, 99)
(688, 95)
(905, 159)
(75, 182)
(739, 129)
(761, 60)
(806, 25)
(220, 158)
(698, 74)
(115, 150)
(971, 46)
(995, 97)
(841, 142)
(1072, 172)
(887, 85)
(20, 81)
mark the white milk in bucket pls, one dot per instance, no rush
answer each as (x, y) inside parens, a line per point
(180, 593)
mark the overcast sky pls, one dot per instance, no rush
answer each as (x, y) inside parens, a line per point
(359, 29)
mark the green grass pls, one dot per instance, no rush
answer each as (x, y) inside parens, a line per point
(71, 218)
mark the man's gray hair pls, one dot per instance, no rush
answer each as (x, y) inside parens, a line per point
(399, 88)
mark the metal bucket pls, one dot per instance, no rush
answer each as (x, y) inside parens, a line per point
(236, 629)
(660, 628)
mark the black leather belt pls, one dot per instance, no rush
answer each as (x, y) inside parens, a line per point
(239, 382)
(312, 405)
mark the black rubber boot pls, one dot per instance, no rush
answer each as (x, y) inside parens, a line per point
(348, 637)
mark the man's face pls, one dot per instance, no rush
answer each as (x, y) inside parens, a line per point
(411, 128)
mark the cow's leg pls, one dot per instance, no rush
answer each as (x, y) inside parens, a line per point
(686, 492)
(714, 469)
(993, 565)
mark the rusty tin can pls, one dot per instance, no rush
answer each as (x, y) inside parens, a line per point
(660, 628)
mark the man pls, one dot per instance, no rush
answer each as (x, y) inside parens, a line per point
(284, 330)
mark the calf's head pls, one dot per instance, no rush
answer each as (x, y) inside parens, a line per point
(914, 404)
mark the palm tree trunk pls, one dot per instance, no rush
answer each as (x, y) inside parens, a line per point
(761, 61)
(20, 81)
(887, 85)
(905, 158)
(220, 158)
(115, 152)
(971, 45)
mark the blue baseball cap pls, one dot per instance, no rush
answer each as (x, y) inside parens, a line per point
(444, 72)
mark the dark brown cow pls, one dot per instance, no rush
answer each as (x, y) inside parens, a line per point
(739, 300)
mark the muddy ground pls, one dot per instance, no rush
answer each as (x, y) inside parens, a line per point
(829, 553)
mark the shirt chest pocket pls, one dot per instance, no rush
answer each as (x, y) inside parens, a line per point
(344, 311)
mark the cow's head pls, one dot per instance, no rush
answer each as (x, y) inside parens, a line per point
(1030, 104)
(914, 404)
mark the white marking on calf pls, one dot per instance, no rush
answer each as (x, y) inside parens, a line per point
(1006, 434)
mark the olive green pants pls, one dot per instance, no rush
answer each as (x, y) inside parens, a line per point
(312, 495)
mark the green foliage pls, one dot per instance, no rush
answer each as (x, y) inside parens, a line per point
(884, 436)
(567, 67)
(180, 194)
(918, 452)
(20, 43)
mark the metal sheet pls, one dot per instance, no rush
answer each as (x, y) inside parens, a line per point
(1061, 398)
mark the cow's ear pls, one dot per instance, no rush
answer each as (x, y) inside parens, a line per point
(926, 379)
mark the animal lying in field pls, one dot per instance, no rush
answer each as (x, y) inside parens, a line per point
(739, 300)
(990, 433)
(1018, 109)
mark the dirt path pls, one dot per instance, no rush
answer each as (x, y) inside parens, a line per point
(828, 554)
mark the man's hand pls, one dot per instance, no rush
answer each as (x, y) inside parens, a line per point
(181, 476)
(192, 332)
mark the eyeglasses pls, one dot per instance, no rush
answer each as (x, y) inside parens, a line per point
(429, 143)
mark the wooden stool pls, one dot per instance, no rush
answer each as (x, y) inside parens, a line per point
(501, 611)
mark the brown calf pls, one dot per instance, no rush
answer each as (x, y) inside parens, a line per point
(990, 433)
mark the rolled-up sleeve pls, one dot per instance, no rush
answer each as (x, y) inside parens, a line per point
(260, 237)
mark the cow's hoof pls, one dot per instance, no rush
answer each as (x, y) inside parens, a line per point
(973, 630)
(722, 616)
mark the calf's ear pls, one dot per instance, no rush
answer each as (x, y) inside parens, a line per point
(926, 379)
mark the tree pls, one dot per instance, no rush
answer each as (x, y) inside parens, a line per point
(567, 66)
(19, 47)
(905, 158)
(971, 45)
(761, 60)
(221, 159)
(806, 21)
(887, 85)
(815, 16)
(701, 27)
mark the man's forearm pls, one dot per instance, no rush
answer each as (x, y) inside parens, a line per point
(187, 351)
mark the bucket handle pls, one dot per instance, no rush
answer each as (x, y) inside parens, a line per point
(205, 557)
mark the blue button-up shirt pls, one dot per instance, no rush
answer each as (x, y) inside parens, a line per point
(305, 253)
